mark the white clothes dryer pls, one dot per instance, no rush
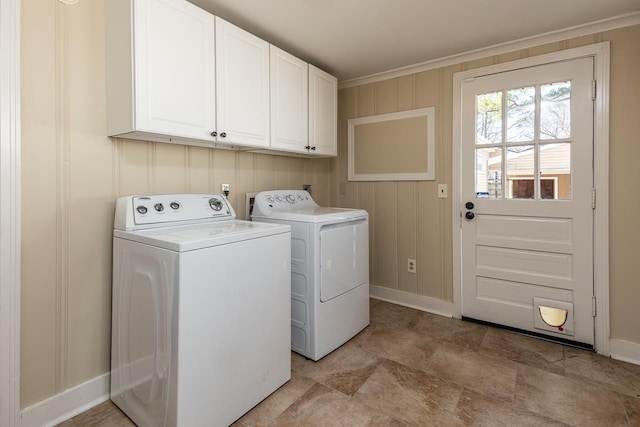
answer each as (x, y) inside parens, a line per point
(329, 269)
(201, 313)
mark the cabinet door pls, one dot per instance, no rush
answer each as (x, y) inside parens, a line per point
(174, 68)
(242, 86)
(323, 112)
(289, 102)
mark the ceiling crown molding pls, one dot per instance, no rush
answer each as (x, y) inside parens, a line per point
(621, 21)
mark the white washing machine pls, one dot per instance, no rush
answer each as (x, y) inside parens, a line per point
(201, 311)
(329, 269)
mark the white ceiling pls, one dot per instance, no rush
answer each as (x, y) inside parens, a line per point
(356, 38)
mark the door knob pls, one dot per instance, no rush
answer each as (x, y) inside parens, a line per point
(469, 205)
(223, 134)
(469, 215)
(214, 133)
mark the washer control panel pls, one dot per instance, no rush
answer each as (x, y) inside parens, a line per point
(136, 212)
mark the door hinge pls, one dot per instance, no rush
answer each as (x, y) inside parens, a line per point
(593, 198)
(593, 90)
(593, 306)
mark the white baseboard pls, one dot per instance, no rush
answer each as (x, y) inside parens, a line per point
(419, 302)
(67, 404)
(626, 351)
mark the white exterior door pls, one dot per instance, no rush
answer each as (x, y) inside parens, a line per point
(527, 214)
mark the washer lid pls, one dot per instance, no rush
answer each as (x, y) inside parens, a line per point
(199, 236)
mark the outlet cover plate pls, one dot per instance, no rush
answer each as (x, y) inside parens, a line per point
(443, 192)
(411, 265)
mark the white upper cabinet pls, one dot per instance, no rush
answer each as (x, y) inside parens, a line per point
(176, 73)
(158, 88)
(289, 102)
(323, 112)
(242, 86)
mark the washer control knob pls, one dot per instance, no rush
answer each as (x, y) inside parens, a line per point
(278, 199)
(142, 209)
(290, 198)
(270, 199)
(215, 204)
(175, 205)
(159, 207)
(300, 198)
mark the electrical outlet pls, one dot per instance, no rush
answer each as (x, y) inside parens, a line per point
(224, 187)
(443, 193)
(250, 199)
(411, 265)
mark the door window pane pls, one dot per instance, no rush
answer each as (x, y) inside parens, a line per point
(555, 110)
(489, 118)
(520, 168)
(489, 172)
(521, 111)
(555, 171)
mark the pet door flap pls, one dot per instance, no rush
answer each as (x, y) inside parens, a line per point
(553, 316)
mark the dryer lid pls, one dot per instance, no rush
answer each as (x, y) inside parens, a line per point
(297, 205)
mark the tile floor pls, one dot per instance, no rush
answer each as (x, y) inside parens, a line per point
(411, 368)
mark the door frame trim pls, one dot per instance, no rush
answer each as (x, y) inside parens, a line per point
(10, 212)
(601, 54)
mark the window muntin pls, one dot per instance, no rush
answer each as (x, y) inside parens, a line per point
(521, 123)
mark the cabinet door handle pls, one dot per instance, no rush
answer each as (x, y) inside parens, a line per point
(214, 134)
(313, 148)
(223, 134)
(308, 147)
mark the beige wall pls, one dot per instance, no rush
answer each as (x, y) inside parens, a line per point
(409, 221)
(72, 174)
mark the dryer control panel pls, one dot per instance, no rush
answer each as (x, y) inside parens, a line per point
(284, 200)
(138, 212)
